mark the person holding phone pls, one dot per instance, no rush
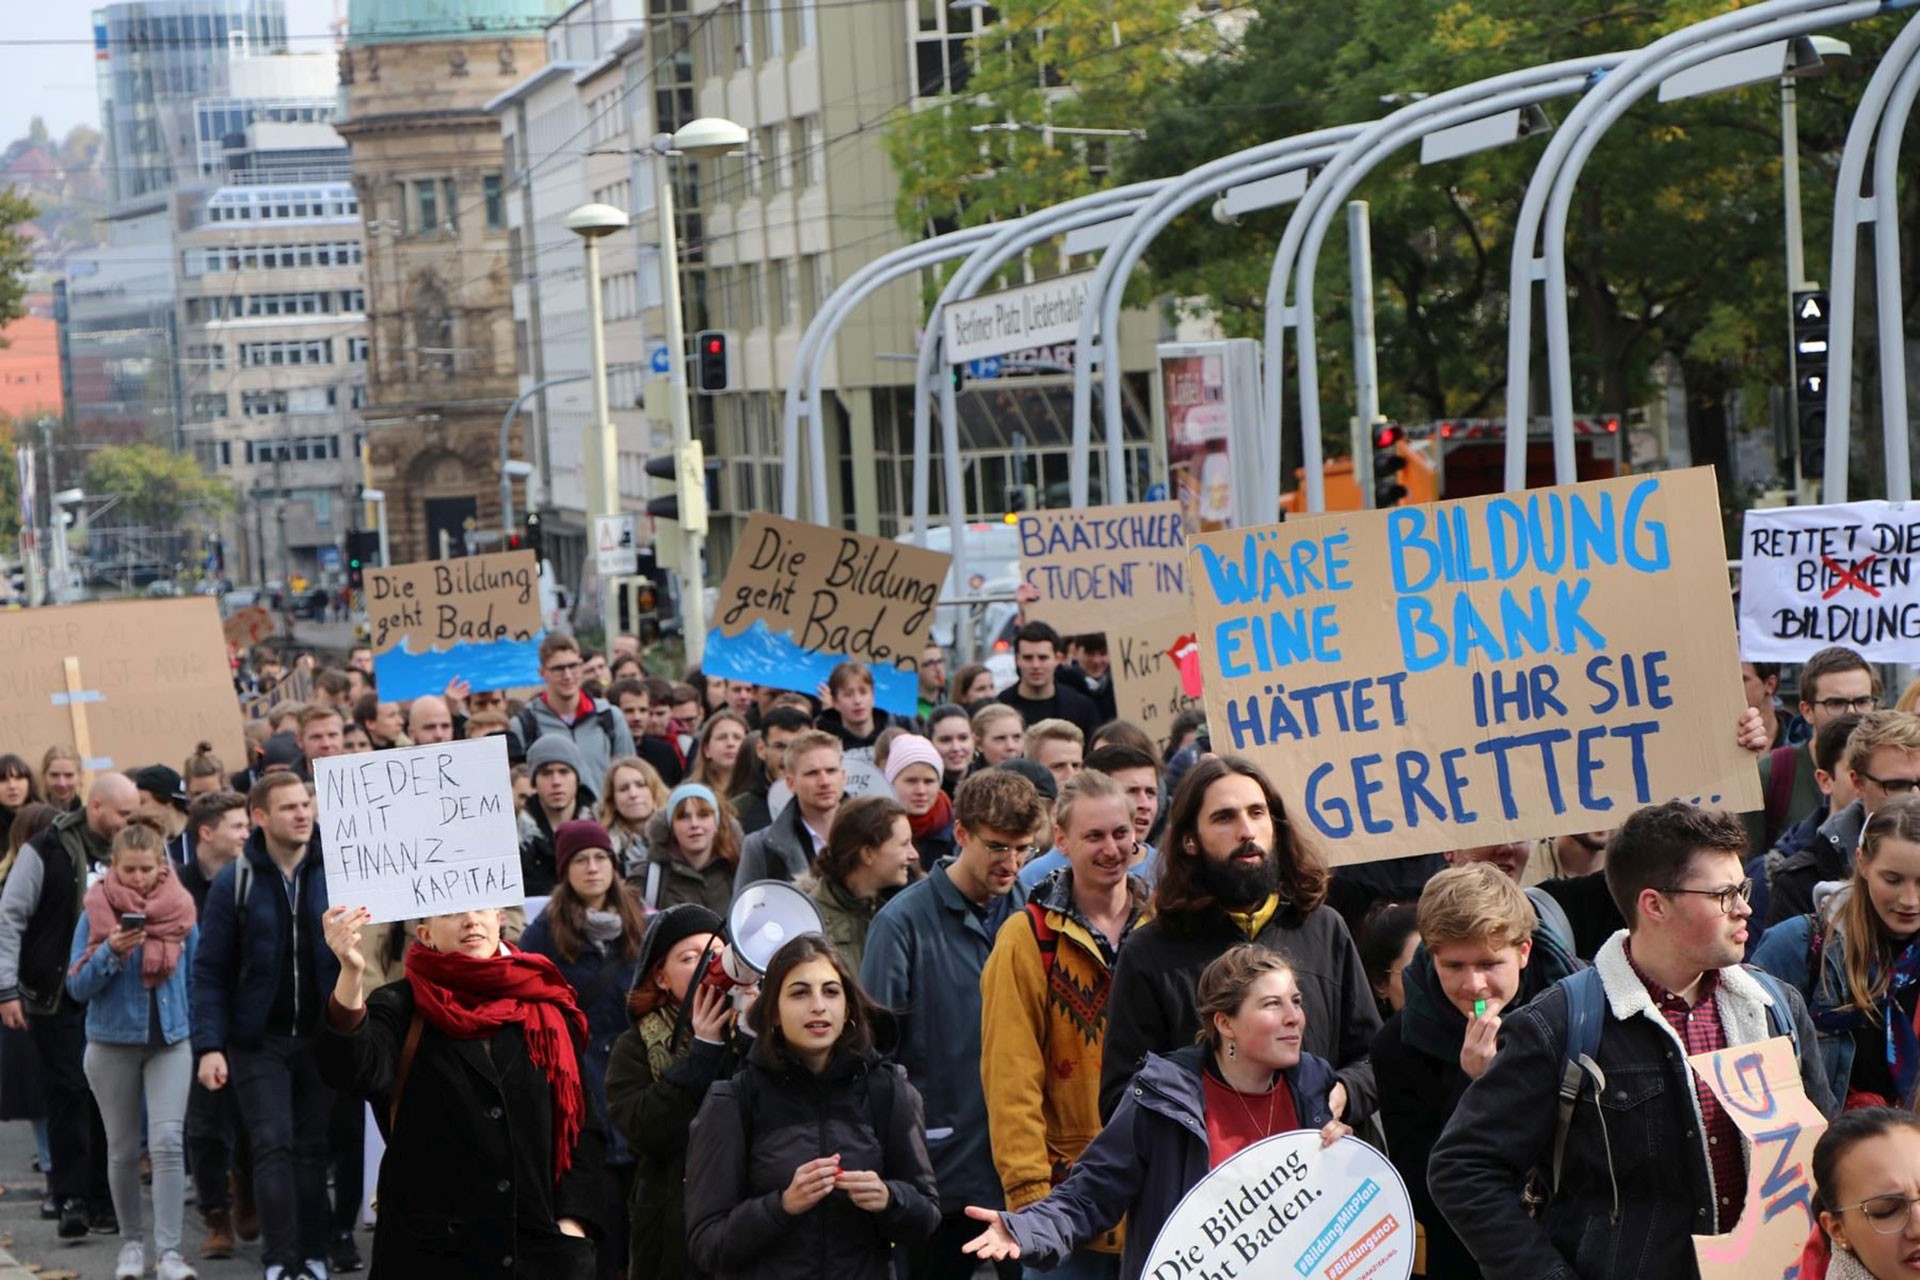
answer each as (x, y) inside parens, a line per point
(133, 950)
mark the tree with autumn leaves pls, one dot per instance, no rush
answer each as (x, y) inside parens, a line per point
(1675, 245)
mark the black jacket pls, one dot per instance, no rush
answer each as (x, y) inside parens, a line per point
(467, 1185)
(1151, 1006)
(1416, 1067)
(1066, 704)
(751, 1134)
(1639, 1145)
(1790, 880)
(1590, 909)
(665, 760)
(655, 1115)
(829, 721)
(1099, 693)
(68, 850)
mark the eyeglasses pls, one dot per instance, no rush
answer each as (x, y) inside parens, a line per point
(1887, 1214)
(1727, 894)
(1892, 786)
(1841, 706)
(561, 668)
(999, 850)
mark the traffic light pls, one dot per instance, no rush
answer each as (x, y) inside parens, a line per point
(1810, 379)
(527, 537)
(1388, 463)
(713, 363)
(363, 549)
(687, 468)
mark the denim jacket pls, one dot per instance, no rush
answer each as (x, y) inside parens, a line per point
(116, 999)
(1786, 954)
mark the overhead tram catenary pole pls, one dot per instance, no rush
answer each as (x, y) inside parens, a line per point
(803, 382)
(1877, 127)
(1116, 264)
(1544, 211)
(1306, 231)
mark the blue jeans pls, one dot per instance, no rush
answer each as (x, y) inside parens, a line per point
(285, 1107)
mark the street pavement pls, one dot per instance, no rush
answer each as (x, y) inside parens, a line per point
(31, 1242)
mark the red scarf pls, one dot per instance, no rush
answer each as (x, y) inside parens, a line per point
(170, 916)
(469, 999)
(934, 820)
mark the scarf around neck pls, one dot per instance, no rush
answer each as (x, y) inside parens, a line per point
(603, 926)
(170, 917)
(934, 820)
(1902, 1038)
(465, 998)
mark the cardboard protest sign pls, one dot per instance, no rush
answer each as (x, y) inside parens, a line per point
(864, 778)
(419, 831)
(1286, 1207)
(1759, 1085)
(249, 625)
(1121, 571)
(295, 686)
(477, 618)
(147, 679)
(1813, 577)
(800, 599)
(1468, 673)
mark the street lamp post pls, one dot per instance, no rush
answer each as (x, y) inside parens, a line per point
(590, 222)
(1822, 48)
(706, 138)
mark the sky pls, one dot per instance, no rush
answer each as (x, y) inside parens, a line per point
(46, 60)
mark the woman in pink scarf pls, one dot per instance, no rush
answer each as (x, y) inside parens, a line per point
(132, 959)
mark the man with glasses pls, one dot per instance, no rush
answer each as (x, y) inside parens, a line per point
(1883, 760)
(1834, 682)
(925, 954)
(1649, 1158)
(595, 727)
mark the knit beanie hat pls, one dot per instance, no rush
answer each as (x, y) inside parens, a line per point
(1035, 773)
(908, 749)
(690, 791)
(669, 929)
(554, 748)
(572, 836)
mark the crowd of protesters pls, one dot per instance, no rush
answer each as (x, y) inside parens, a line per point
(1063, 969)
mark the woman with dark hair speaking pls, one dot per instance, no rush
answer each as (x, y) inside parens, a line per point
(813, 1160)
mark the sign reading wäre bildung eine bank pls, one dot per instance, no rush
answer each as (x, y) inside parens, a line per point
(1473, 672)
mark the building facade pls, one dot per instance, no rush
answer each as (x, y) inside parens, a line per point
(415, 78)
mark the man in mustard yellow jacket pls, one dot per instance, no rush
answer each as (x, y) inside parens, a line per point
(1044, 1006)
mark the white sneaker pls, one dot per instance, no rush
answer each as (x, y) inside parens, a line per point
(317, 1268)
(133, 1261)
(174, 1267)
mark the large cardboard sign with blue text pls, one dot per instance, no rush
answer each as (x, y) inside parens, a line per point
(1759, 1086)
(800, 599)
(477, 617)
(1466, 673)
(1122, 571)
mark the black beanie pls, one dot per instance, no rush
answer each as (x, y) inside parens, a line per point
(670, 928)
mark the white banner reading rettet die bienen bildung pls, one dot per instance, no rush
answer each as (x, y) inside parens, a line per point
(419, 831)
(1813, 577)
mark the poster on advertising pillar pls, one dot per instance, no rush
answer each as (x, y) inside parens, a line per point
(1493, 669)
(1813, 577)
(1286, 1206)
(1121, 572)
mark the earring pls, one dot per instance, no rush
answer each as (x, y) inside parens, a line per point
(1233, 1049)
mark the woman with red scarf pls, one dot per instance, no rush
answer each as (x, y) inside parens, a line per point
(472, 1065)
(913, 769)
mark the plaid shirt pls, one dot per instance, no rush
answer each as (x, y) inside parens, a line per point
(1698, 1027)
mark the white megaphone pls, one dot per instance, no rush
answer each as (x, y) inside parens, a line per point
(764, 917)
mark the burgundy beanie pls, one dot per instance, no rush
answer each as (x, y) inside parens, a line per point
(572, 836)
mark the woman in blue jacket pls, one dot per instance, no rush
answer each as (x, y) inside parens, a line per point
(592, 930)
(1856, 961)
(1183, 1113)
(132, 953)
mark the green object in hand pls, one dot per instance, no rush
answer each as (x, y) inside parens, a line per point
(1479, 1008)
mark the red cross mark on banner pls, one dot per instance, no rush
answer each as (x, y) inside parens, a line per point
(1848, 577)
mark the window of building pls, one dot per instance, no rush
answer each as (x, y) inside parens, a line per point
(427, 199)
(812, 160)
(773, 157)
(786, 294)
(356, 350)
(496, 204)
(449, 204)
(740, 27)
(210, 405)
(756, 295)
(809, 25)
(261, 404)
(776, 20)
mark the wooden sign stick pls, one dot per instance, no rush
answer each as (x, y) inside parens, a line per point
(77, 710)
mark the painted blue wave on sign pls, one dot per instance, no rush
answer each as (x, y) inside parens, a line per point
(499, 664)
(773, 659)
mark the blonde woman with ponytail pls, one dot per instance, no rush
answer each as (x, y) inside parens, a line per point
(1856, 960)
